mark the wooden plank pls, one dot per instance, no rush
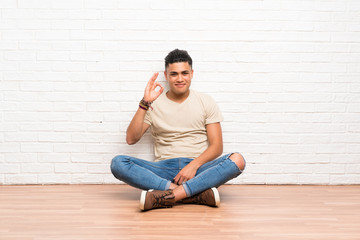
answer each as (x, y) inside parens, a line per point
(246, 212)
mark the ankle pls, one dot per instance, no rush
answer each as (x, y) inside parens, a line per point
(173, 186)
(179, 193)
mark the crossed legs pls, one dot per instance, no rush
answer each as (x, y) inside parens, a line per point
(179, 191)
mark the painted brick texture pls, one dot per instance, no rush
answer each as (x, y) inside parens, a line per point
(286, 75)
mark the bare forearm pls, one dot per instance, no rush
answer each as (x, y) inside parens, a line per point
(211, 153)
(136, 129)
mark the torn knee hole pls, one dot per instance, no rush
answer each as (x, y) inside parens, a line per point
(238, 159)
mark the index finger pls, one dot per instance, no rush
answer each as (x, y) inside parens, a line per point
(153, 78)
(155, 85)
(176, 179)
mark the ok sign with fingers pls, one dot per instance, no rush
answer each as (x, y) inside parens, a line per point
(151, 94)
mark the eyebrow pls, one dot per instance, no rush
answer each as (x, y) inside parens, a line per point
(173, 72)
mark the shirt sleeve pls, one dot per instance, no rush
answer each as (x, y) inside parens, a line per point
(212, 110)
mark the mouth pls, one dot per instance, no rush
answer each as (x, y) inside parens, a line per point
(180, 85)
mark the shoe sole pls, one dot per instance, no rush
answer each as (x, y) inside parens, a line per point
(143, 198)
(216, 196)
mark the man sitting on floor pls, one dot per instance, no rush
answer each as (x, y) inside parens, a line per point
(185, 125)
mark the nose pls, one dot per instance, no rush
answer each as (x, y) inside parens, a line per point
(179, 79)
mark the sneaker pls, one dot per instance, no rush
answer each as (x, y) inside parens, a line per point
(156, 199)
(208, 197)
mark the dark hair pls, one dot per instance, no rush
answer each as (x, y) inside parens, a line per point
(177, 56)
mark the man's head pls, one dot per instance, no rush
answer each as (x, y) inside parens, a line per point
(177, 56)
(178, 73)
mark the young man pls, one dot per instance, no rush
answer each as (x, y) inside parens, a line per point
(185, 125)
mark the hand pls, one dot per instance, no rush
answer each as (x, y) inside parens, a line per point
(151, 94)
(187, 173)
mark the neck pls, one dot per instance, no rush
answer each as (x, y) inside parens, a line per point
(179, 98)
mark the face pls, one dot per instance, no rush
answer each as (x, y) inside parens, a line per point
(179, 77)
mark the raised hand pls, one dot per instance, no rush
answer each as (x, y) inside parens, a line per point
(151, 94)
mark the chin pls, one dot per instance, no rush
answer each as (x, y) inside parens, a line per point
(181, 92)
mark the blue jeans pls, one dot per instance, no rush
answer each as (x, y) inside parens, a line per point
(158, 175)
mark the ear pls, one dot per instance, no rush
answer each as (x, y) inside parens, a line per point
(165, 75)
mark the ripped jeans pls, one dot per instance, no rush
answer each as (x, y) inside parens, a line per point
(158, 175)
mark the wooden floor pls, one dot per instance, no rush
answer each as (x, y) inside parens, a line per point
(247, 212)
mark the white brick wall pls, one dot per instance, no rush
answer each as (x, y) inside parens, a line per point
(286, 75)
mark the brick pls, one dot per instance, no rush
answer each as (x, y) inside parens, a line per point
(36, 127)
(52, 35)
(331, 148)
(83, 77)
(17, 157)
(87, 137)
(107, 4)
(37, 168)
(36, 107)
(68, 67)
(99, 168)
(354, 127)
(315, 139)
(344, 179)
(67, 45)
(34, 4)
(66, 24)
(139, 4)
(103, 66)
(329, 27)
(87, 179)
(85, 158)
(20, 137)
(69, 148)
(33, 24)
(54, 157)
(9, 168)
(35, 45)
(323, 179)
(8, 4)
(55, 178)
(86, 56)
(21, 179)
(86, 117)
(66, 107)
(352, 169)
(70, 168)
(7, 106)
(281, 179)
(52, 56)
(19, 56)
(9, 147)
(34, 66)
(18, 35)
(72, 4)
(100, 148)
(105, 107)
(54, 137)
(36, 147)
(84, 35)
(353, 149)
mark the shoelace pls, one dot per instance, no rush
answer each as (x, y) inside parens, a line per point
(199, 199)
(161, 201)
